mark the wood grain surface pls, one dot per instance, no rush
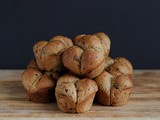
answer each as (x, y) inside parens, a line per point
(144, 102)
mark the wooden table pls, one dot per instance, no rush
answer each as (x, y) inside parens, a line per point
(144, 102)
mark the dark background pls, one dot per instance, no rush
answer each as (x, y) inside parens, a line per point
(132, 25)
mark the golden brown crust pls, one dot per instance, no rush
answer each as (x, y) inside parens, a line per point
(85, 87)
(51, 74)
(122, 59)
(75, 95)
(52, 53)
(104, 85)
(49, 55)
(105, 41)
(37, 49)
(90, 60)
(102, 37)
(113, 90)
(83, 63)
(86, 58)
(85, 105)
(66, 96)
(90, 42)
(120, 91)
(64, 40)
(29, 77)
(77, 38)
(121, 66)
(96, 71)
(72, 59)
(67, 78)
(86, 90)
(39, 87)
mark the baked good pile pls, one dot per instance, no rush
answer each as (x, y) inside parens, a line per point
(75, 72)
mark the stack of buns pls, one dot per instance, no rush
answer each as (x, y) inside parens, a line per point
(75, 72)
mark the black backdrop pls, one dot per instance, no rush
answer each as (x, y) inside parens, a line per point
(132, 25)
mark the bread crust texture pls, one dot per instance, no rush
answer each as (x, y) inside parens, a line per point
(115, 83)
(49, 54)
(39, 85)
(86, 58)
(75, 95)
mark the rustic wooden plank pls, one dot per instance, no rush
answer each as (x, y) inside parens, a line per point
(144, 102)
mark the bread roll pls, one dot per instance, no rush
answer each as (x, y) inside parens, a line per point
(74, 95)
(103, 38)
(49, 54)
(39, 87)
(121, 66)
(87, 58)
(115, 83)
(113, 90)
